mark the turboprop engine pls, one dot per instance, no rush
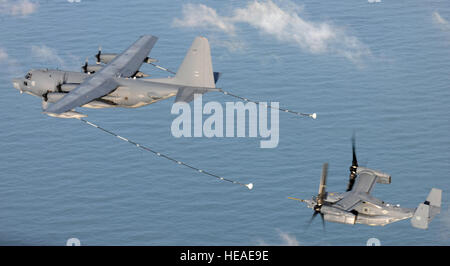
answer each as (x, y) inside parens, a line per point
(140, 74)
(105, 58)
(89, 69)
(68, 87)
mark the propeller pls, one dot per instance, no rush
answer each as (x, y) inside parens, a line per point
(61, 82)
(85, 66)
(320, 199)
(314, 216)
(317, 202)
(44, 104)
(323, 184)
(353, 167)
(45, 100)
(99, 53)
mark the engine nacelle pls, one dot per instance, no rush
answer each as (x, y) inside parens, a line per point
(92, 68)
(53, 97)
(150, 60)
(106, 58)
(332, 214)
(343, 219)
(140, 74)
(69, 86)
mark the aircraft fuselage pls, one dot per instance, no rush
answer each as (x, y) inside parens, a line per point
(52, 85)
(370, 211)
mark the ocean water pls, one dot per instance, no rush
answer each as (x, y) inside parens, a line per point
(62, 179)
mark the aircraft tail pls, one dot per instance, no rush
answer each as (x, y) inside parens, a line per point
(426, 211)
(196, 69)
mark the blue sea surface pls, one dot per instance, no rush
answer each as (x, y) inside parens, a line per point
(62, 179)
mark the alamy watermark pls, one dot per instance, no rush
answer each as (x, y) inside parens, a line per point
(241, 120)
(373, 242)
(73, 242)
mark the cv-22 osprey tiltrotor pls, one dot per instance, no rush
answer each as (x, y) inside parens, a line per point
(357, 206)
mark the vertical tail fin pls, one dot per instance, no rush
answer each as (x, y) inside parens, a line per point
(426, 211)
(196, 69)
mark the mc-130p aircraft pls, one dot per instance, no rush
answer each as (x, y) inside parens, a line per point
(114, 83)
(357, 206)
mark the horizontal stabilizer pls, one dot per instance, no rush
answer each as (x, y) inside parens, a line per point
(187, 94)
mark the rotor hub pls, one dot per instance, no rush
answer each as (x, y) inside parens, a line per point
(317, 208)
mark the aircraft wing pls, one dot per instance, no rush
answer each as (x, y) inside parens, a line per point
(349, 201)
(101, 83)
(365, 182)
(364, 185)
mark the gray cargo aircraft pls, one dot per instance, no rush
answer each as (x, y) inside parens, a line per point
(357, 206)
(116, 83)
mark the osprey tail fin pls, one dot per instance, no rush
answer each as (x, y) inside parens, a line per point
(426, 211)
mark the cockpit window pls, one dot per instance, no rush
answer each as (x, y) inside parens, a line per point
(28, 76)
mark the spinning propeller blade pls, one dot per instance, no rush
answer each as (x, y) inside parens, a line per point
(320, 199)
(323, 221)
(99, 53)
(323, 184)
(353, 167)
(354, 160)
(85, 66)
(314, 216)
